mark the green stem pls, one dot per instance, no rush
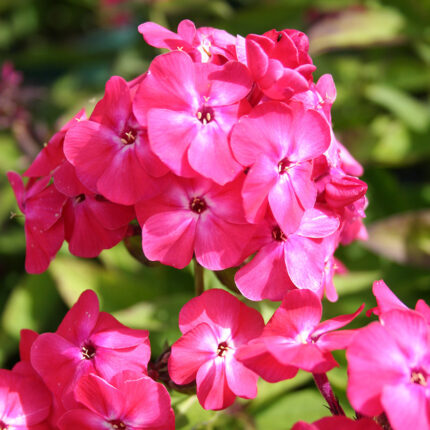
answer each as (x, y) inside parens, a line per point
(199, 282)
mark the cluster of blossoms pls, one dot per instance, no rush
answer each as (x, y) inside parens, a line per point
(222, 150)
(92, 373)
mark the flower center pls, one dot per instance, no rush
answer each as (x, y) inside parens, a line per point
(198, 205)
(3, 426)
(283, 166)
(128, 137)
(88, 352)
(222, 349)
(78, 199)
(205, 114)
(117, 424)
(419, 377)
(205, 50)
(278, 234)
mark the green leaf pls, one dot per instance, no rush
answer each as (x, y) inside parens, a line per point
(356, 28)
(404, 238)
(414, 113)
(394, 144)
(117, 289)
(355, 281)
(269, 394)
(306, 405)
(189, 414)
(33, 304)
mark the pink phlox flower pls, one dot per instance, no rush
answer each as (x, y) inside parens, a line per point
(42, 204)
(388, 301)
(128, 401)
(338, 190)
(214, 325)
(279, 62)
(110, 151)
(87, 341)
(27, 338)
(52, 155)
(196, 216)
(288, 261)
(190, 109)
(279, 144)
(294, 338)
(352, 227)
(332, 266)
(338, 423)
(204, 44)
(91, 222)
(348, 163)
(24, 402)
(319, 97)
(389, 368)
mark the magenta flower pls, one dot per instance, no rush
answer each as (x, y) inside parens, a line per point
(52, 155)
(190, 109)
(42, 206)
(195, 216)
(110, 151)
(128, 402)
(338, 423)
(24, 402)
(214, 325)
(389, 368)
(202, 44)
(294, 338)
(91, 222)
(319, 97)
(388, 301)
(352, 222)
(87, 341)
(278, 143)
(288, 261)
(279, 62)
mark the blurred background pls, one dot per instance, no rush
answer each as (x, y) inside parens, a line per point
(55, 57)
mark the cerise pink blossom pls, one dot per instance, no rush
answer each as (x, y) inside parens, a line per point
(42, 204)
(294, 338)
(279, 143)
(110, 151)
(24, 402)
(287, 261)
(279, 62)
(87, 341)
(195, 216)
(203, 44)
(338, 423)
(389, 368)
(214, 325)
(388, 301)
(129, 401)
(189, 109)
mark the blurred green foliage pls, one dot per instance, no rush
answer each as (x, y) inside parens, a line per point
(379, 55)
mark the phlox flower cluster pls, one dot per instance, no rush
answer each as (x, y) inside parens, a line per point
(223, 150)
(225, 344)
(91, 374)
